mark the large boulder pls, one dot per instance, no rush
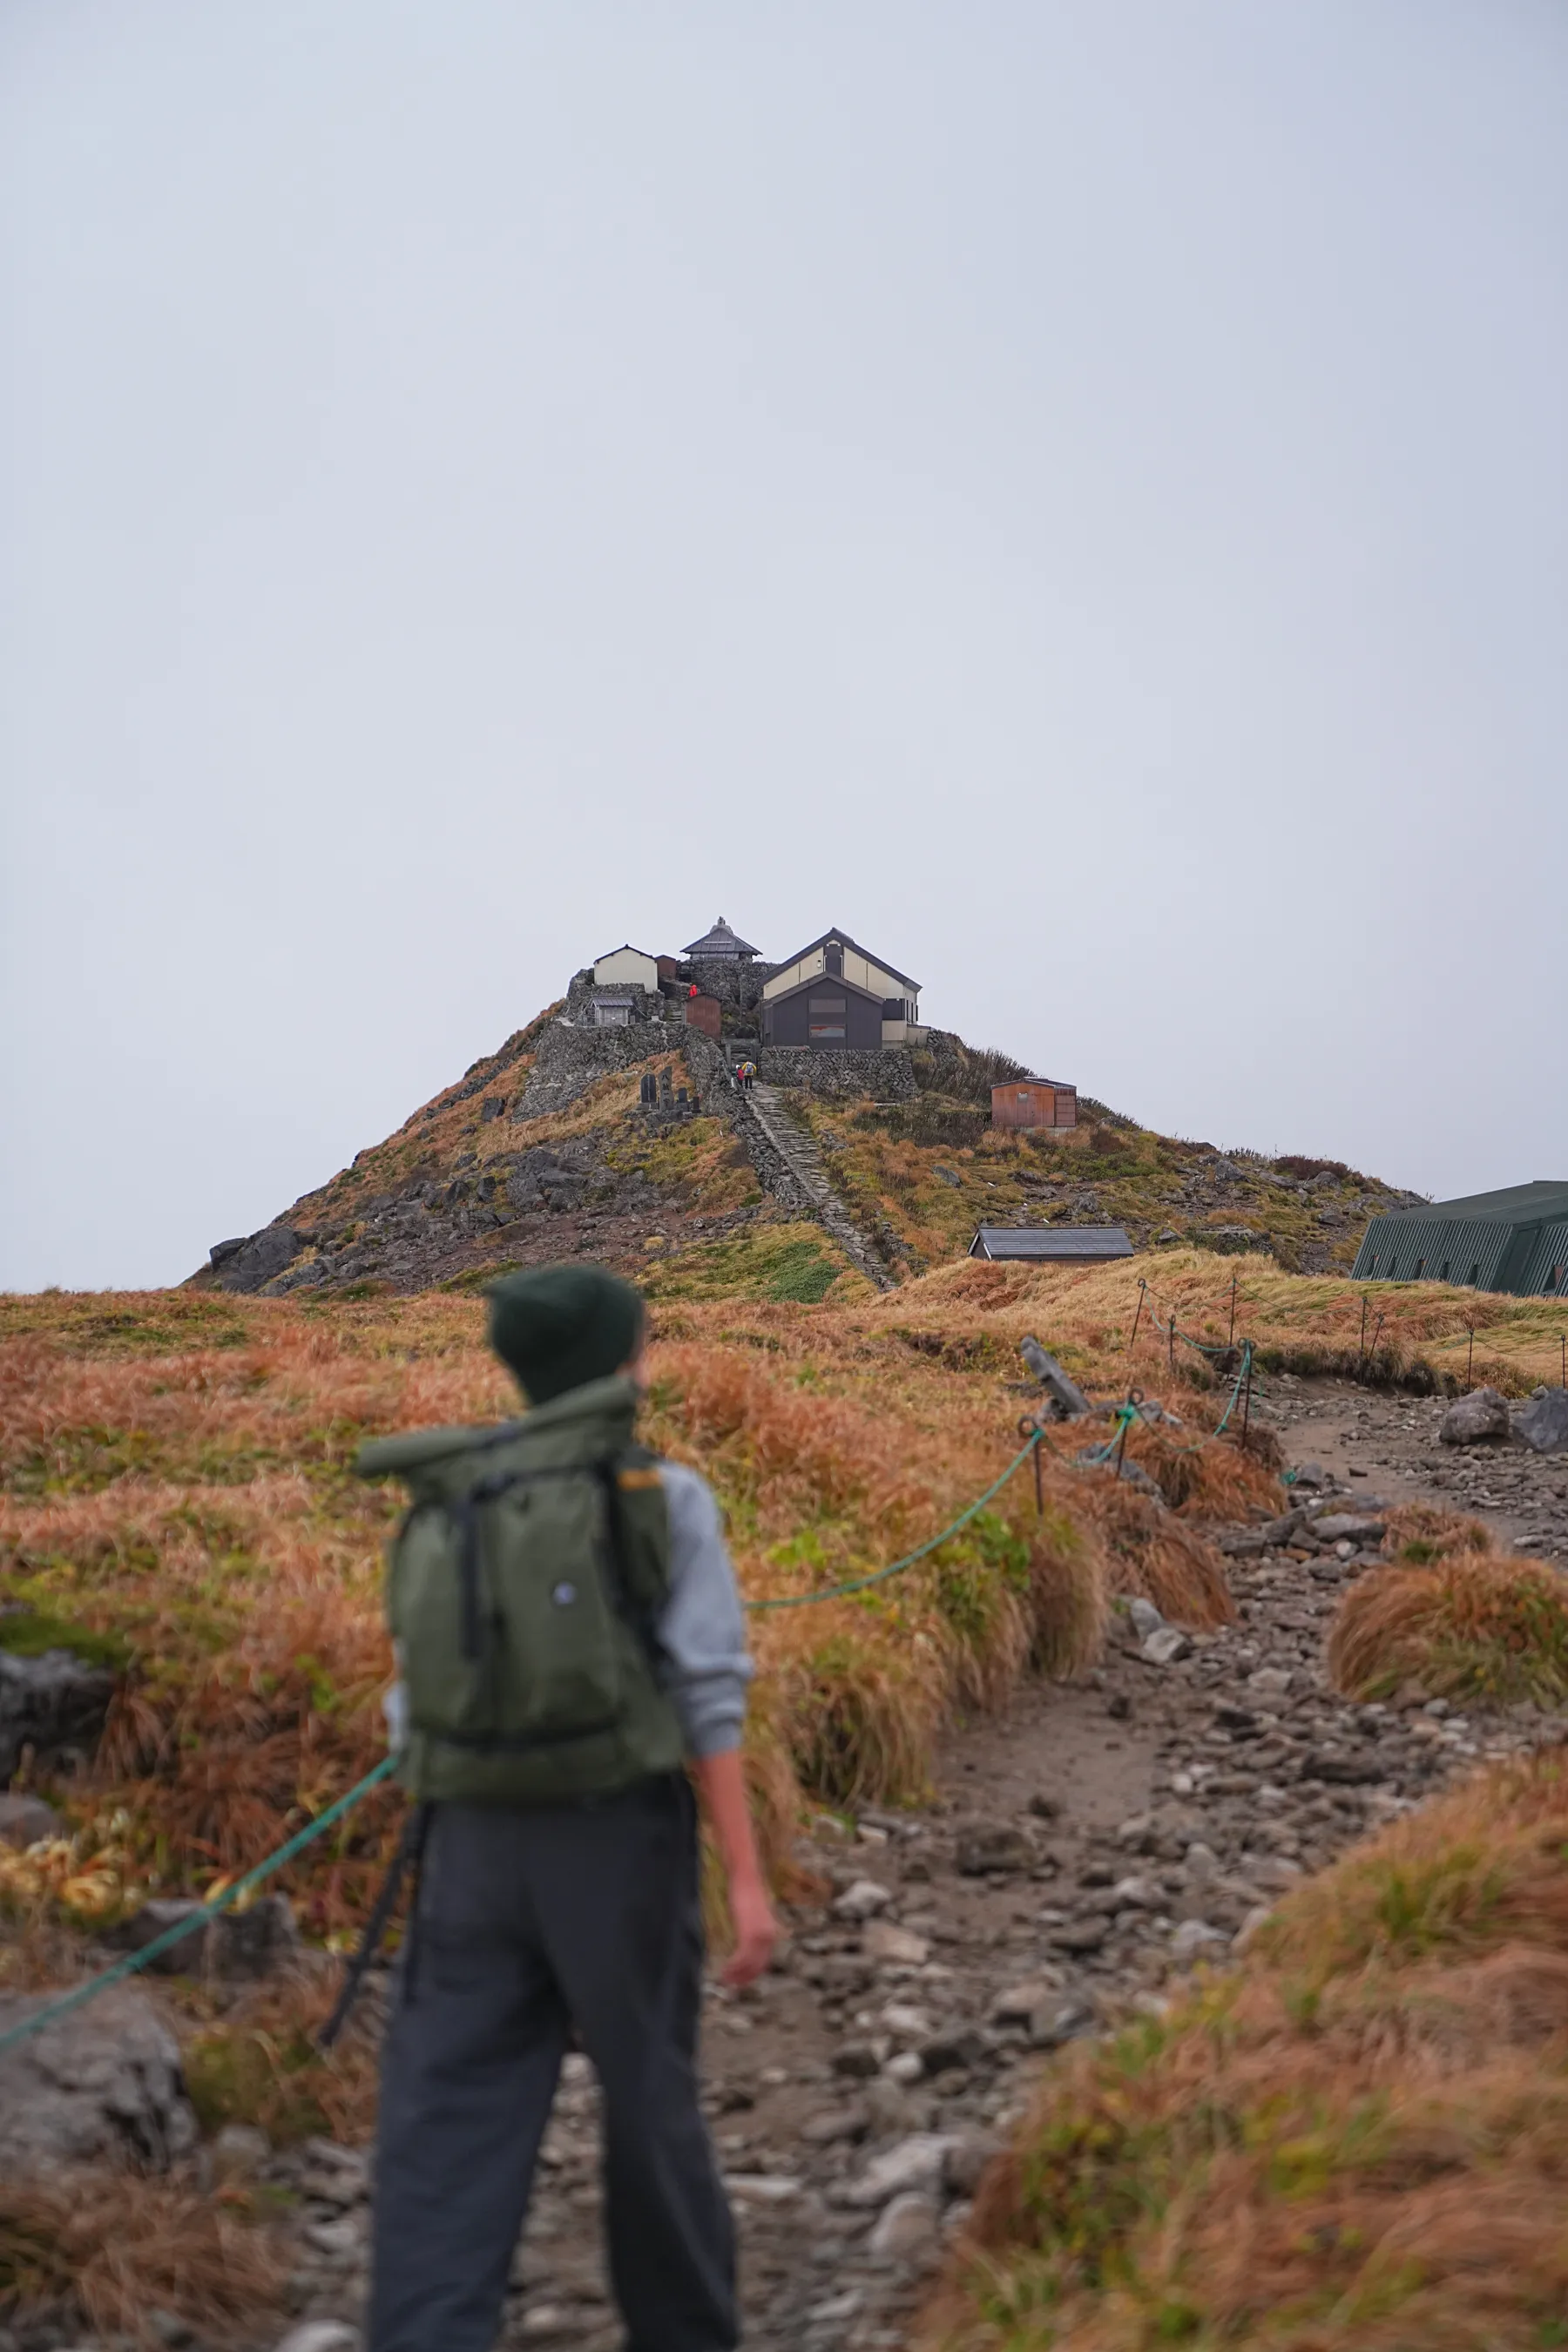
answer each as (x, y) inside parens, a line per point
(55, 1704)
(1542, 1423)
(103, 2082)
(1478, 1419)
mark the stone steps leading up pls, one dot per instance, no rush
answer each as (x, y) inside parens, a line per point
(804, 1166)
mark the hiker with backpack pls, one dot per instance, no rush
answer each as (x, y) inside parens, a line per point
(569, 1639)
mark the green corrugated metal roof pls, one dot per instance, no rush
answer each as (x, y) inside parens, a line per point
(1514, 1240)
(1515, 1204)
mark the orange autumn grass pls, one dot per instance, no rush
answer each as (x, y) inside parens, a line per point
(1356, 2143)
(177, 1482)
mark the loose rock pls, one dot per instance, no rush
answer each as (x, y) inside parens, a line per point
(1542, 1423)
(1481, 1418)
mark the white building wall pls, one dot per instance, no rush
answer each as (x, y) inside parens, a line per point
(627, 968)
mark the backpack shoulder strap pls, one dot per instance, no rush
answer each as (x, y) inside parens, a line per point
(620, 1473)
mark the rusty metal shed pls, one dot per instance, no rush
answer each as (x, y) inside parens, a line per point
(1032, 1103)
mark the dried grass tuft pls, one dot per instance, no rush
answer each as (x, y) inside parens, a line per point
(109, 2248)
(1471, 1625)
(1150, 1551)
(1419, 1533)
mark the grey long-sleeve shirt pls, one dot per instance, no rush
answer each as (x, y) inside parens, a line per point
(703, 1628)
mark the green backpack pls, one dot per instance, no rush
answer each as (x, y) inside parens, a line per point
(524, 1591)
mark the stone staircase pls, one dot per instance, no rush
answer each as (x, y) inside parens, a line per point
(797, 1177)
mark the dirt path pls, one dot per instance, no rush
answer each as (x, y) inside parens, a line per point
(1096, 1841)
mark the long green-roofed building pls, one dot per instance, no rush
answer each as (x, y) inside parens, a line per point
(1515, 1240)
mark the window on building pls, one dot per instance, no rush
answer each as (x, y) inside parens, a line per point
(1476, 1276)
(826, 1016)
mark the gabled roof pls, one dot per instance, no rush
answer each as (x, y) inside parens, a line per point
(625, 948)
(1069, 1243)
(844, 940)
(721, 945)
(818, 980)
(1516, 1204)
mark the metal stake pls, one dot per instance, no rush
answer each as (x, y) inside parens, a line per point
(1143, 1287)
(1247, 1396)
(1230, 1336)
(1171, 1346)
(1470, 1360)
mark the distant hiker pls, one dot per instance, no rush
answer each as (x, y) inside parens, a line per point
(569, 1634)
(748, 1071)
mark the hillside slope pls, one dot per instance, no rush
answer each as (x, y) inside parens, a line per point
(517, 1162)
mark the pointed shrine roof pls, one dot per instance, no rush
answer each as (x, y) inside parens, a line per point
(721, 945)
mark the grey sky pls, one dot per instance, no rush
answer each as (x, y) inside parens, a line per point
(1075, 493)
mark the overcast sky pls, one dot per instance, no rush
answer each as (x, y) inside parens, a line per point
(1072, 490)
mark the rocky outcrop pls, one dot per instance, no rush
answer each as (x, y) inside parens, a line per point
(103, 2082)
(55, 1705)
(250, 1263)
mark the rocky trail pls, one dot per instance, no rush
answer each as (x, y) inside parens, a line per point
(1079, 1853)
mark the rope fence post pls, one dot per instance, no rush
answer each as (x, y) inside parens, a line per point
(1230, 1335)
(1142, 1287)
(1470, 1360)
(1171, 1347)
(1247, 1393)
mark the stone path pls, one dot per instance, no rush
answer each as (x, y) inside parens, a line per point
(797, 1149)
(1080, 1853)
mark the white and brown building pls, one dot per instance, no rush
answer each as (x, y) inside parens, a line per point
(836, 996)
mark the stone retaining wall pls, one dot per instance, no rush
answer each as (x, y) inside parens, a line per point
(885, 1074)
(566, 1062)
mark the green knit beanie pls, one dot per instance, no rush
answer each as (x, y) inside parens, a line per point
(557, 1326)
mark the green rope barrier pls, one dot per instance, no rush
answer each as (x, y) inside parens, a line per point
(81, 1993)
(896, 1567)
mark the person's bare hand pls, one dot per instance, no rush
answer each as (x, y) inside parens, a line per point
(756, 1933)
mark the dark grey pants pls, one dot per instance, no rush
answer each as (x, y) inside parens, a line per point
(530, 1923)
